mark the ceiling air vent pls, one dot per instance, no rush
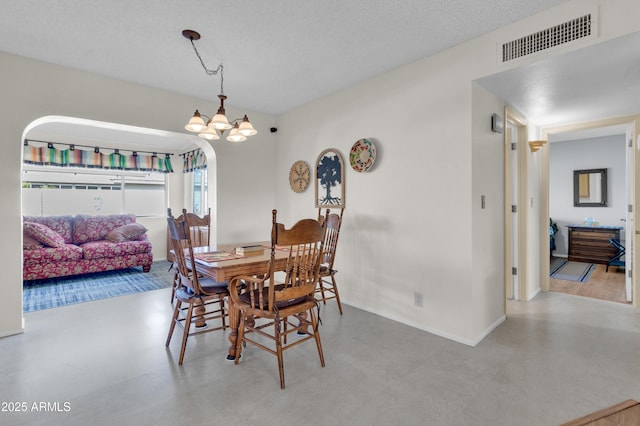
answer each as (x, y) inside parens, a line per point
(542, 40)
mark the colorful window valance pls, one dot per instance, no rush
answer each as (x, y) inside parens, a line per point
(194, 160)
(64, 155)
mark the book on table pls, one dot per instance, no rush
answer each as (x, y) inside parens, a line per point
(211, 257)
(253, 250)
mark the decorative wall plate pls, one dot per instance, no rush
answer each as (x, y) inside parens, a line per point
(299, 176)
(362, 155)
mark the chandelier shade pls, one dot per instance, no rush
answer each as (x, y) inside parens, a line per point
(196, 124)
(216, 126)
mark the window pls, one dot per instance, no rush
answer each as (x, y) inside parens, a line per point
(52, 192)
(200, 192)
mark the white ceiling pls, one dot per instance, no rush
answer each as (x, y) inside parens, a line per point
(281, 54)
(589, 84)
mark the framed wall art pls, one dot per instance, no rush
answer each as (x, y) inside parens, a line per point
(329, 182)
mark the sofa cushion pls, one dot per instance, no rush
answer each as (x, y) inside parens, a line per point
(43, 234)
(60, 224)
(128, 232)
(29, 243)
(95, 228)
(48, 254)
(105, 248)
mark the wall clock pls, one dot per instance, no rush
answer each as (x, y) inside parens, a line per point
(299, 176)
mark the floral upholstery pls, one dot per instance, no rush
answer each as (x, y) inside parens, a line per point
(100, 249)
(86, 249)
(60, 224)
(51, 254)
(95, 228)
(43, 234)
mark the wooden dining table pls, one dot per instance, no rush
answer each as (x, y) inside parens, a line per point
(232, 266)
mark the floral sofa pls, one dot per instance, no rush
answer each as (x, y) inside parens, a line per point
(55, 246)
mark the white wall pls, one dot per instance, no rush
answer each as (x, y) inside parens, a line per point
(595, 153)
(410, 222)
(488, 222)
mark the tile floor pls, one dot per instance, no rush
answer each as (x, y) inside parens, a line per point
(104, 363)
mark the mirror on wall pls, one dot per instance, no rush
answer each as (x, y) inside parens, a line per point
(590, 188)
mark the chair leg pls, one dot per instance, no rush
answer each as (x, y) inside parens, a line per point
(223, 313)
(316, 335)
(174, 284)
(278, 339)
(321, 285)
(176, 312)
(185, 335)
(239, 338)
(335, 291)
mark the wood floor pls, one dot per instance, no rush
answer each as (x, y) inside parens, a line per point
(601, 285)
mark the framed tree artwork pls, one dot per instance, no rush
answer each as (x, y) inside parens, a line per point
(330, 176)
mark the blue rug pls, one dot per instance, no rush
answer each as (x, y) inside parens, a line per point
(55, 292)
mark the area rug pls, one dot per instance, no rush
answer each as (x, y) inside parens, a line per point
(556, 263)
(574, 271)
(55, 292)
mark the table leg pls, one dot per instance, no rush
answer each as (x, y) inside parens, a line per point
(234, 322)
(199, 311)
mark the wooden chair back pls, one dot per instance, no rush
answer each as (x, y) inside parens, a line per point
(184, 261)
(200, 228)
(303, 242)
(331, 235)
(334, 224)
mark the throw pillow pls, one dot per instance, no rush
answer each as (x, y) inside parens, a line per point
(126, 233)
(43, 234)
(29, 243)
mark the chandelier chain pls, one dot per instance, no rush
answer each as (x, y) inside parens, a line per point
(209, 71)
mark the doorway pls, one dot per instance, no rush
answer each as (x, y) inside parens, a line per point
(606, 141)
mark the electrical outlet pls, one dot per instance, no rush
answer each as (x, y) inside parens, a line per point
(417, 299)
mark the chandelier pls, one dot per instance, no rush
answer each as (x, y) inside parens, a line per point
(216, 126)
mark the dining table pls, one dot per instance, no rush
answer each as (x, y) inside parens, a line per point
(221, 263)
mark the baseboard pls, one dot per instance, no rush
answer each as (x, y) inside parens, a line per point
(440, 333)
(11, 332)
(535, 293)
(488, 330)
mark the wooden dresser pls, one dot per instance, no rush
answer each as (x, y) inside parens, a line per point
(591, 243)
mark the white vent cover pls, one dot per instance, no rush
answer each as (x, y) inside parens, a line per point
(542, 40)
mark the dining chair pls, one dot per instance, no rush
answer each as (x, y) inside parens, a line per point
(199, 227)
(199, 300)
(200, 233)
(327, 288)
(266, 305)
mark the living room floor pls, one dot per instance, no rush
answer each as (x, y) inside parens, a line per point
(555, 358)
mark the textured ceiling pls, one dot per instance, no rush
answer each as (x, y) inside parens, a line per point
(277, 54)
(281, 54)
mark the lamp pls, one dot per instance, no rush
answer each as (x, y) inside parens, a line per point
(214, 128)
(536, 145)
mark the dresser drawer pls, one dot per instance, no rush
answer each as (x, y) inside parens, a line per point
(591, 244)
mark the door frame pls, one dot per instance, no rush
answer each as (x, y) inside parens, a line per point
(634, 123)
(514, 118)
